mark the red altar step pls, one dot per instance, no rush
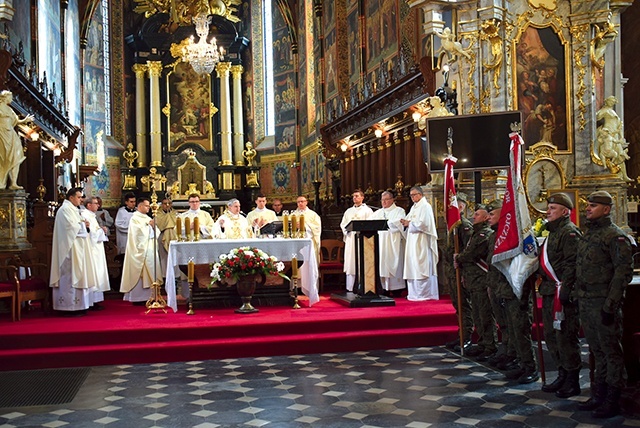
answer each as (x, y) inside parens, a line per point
(123, 334)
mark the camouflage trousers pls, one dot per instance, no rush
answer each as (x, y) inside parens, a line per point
(500, 314)
(563, 344)
(483, 318)
(467, 320)
(604, 342)
(518, 312)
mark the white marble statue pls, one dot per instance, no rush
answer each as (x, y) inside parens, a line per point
(11, 153)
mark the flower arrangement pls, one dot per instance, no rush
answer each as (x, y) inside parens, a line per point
(540, 228)
(245, 261)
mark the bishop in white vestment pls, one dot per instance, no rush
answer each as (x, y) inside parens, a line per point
(391, 243)
(312, 223)
(421, 251)
(359, 211)
(232, 224)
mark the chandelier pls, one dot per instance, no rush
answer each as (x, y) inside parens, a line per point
(202, 56)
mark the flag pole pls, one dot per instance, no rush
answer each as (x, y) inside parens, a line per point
(456, 246)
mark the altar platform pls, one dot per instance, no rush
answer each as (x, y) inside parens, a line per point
(124, 334)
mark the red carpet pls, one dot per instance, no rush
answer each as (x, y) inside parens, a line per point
(123, 334)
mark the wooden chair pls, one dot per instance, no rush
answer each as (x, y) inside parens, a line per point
(32, 283)
(9, 287)
(332, 252)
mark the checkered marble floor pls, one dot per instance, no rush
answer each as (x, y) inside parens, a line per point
(413, 388)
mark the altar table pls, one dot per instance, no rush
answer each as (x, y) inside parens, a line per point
(208, 251)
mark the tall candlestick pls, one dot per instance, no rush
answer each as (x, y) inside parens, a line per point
(301, 225)
(187, 229)
(294, 267)
(285, 225)
(196, 228)
(190, 270)
(179, 228)
(294, 225)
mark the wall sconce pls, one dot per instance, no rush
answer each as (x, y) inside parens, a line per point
(344, 146)
(378, 133)
(35, 136)
(416, 116)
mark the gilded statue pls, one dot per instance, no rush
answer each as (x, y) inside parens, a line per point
(249, 154)
(603, 36)
(11, 153)
(610, 148)
(450, 46)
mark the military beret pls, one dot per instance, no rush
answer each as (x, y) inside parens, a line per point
(561, 199)
(481, 207)
(462, 197)
(494, 205)
(601, 197)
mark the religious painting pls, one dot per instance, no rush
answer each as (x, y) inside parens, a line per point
(191, 109)
(284, 98)
(19, 28)
(49, 44)
(373, 31)
(332, 63)
(388, 28)
(541, 79)
(329, 13)
(282, 55)
(353, 37)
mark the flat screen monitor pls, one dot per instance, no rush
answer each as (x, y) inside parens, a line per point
(480, 141)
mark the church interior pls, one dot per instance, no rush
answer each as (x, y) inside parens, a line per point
(231, 99)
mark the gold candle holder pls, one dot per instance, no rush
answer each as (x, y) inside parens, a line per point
(294, 226)
(294, 293)
(301, 226)
(196, 229)
(285, 225)
(187, 229)
(191, 267)
(179, 228)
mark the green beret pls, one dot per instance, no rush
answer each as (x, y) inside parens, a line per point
(481, 207)
(601, 197)
(494, 205)
(561, 199)
(462, 197)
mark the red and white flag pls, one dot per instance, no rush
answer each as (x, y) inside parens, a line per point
(515, 251)
(452, 212)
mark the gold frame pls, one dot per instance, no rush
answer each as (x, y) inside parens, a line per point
(568, 106)
(543, 155)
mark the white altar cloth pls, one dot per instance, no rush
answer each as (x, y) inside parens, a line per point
(208, 251)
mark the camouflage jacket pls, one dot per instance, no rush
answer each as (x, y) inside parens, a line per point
(562, 246)
(473, 254)
(604, 264)
(496, 279)
(463, 233)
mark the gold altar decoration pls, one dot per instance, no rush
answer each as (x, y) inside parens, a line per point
(156, 301)
(181, 11)
(542, 172)
(491, 32)
(130, 155)
(602, 37)
(192, 178)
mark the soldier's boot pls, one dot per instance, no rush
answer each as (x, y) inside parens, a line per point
(611, 405)
(598, 394)
(556, 384)
(571, 385)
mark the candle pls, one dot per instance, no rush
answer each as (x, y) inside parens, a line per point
(190, 270)
(285, 225)
(294, 225)
(196, 228)
(187, 228)
(294, 267)
(179, 227)
(301, 225)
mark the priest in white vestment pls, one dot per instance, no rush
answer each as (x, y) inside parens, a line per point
(421, 251)
(123, 217)
(141, 262)
(359, 211)
(69, 280)
(205, 221)
(261, 215)
(391, 244)
(231, 224)
(97, 258)
(312, 223)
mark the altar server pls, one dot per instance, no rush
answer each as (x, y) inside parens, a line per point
(261, 215)
(204, 218)
(359, 211)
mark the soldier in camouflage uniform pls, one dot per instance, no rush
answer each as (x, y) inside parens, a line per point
(517, 312)
(463, 233)
(604, 267)
(472, 260)
(559, 252)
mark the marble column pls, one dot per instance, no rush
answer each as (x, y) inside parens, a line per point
(141, 114)
(225, 113)
(238, 117)
(155, 69)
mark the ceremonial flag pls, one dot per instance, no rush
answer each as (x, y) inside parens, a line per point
(515, 251)
(451, 210)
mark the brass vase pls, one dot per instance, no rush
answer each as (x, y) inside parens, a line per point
(246, 286)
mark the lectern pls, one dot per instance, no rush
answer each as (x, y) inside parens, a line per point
(367, 288)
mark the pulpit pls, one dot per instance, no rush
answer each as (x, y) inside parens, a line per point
(367, 288)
